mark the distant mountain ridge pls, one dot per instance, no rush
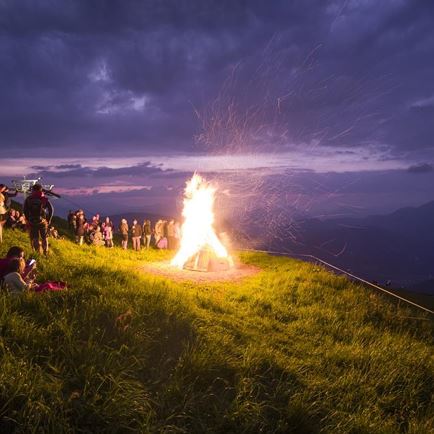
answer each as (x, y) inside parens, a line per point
(397, 246)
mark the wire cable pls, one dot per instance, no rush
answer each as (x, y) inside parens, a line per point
(353, 276)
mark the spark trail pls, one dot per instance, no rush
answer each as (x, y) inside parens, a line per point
(270, 103)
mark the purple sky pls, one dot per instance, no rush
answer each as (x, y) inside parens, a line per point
(318, 107)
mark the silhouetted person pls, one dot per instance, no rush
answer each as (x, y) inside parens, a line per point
(3, 209)
(72, 221)
(158, 231)
(80, 227)
(147, 232)
(171, 238)
(136, 234)
(123, 229)
(39, 212)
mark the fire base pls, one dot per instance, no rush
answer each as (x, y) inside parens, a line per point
(206, 260)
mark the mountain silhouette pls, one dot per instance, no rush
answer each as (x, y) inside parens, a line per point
(398, 247)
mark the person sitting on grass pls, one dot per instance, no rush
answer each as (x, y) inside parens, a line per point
(11, 221)
(13, 281)
(16, 252)
(21, 221)
(97, 239)
(53, 233)
(162, 243)
(16, 284)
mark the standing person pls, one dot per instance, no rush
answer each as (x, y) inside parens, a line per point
(8, 195)
(171, 240)
(107, 229)
(136, 234)
(72, 221)
(164, 230)
(39, 212)
(177, 234)
(80, 228)
(158, 231)
(95, 221)
(123, 229)
(5, 204)
(147, 232)
(3, 210)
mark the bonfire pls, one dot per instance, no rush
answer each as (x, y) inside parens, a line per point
(200, 248)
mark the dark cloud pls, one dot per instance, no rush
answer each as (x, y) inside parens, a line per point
(421, 168)
(68, 166)
(132, 77)
(297, 193)
(78, 171)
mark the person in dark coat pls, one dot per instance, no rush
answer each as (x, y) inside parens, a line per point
(11, 221)
(80, 227)
(136, 234)
(72, 221)
(147, 232)
(39, 212)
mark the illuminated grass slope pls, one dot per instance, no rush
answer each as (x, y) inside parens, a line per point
(292, 349)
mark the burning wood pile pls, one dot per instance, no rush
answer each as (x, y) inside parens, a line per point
(200, 248)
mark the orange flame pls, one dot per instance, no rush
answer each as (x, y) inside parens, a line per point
(197, 231)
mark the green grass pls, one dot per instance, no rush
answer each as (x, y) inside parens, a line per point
(291, 349)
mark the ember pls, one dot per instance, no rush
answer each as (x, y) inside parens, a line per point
(200, 249)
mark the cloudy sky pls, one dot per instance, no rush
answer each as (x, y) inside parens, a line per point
(320, 107)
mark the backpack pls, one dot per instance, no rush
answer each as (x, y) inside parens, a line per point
(35, 209)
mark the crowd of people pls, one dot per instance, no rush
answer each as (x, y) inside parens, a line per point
(18, 275)
(35, 218)
(165, 234)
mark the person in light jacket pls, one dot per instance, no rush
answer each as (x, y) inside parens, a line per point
(107, 230)
(13, 281)
(171, 235)
(123, 229)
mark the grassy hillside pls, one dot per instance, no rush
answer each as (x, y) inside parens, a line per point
(291, 349)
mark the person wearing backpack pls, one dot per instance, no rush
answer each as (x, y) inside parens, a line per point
(39, 212)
